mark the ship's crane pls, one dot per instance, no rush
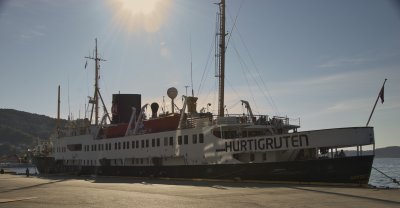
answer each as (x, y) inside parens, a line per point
(249, 111)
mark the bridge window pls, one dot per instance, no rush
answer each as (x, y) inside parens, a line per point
(180, 140)
(194, 137)
(165, 141)
(201, 138)
(74, 147)
(158, 142)
(171, 141)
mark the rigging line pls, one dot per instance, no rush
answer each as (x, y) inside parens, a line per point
(212, 89)
(234, 105)
(206, 67)
(234, 24)
(393, 179)
(232, 88)
(269, 97)
(244, 75)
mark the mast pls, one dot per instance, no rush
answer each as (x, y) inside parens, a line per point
(97, 60)
(221, 65)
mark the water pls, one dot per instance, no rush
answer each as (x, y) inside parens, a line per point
(20, 169)
(389, 166)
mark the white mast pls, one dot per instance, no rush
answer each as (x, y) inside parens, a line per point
(95, 102)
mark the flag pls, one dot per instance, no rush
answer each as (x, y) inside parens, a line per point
(382, 94)
(86, 64)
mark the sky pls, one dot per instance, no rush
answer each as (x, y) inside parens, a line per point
(318, 60)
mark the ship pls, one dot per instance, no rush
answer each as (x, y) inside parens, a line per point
(185, 143)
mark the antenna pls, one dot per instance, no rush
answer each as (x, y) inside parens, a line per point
(58, 110)
(191, 65)
(163, 108)
(69, 107)
(186, 86)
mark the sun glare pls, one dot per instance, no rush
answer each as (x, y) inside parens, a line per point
(137, 15)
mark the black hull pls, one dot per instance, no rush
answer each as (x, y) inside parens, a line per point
(47, 165)
(348, 170)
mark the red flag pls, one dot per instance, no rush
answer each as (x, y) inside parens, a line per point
(382, 94)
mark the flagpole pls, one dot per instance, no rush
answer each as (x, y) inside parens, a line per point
(379, 95)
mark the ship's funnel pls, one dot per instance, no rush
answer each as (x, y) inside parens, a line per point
(122, 107)
(191, 103)
(154, 109)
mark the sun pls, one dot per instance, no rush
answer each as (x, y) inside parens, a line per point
(139, 6)
(137, 15)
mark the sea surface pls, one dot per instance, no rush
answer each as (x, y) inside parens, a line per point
(388, 166)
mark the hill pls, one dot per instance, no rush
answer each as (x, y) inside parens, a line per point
(20, 130)
(388, 152)
(384, 152)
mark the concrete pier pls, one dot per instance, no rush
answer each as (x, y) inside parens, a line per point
(70, 191)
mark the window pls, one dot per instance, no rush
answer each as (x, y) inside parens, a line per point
(119, 145)
(99, 147)
(185, 139)
(137, 144)
(127, 145)
(133, 144)
(115, 145)
(171, 141)
(74, 147)
(147, 143)
(123, 145)
(194, 137)
(142, 143)
(158, 142)
(180, 140)
(153, 142)
(165, 141)
(201, 138)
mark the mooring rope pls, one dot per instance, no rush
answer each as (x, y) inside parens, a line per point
(393, 179)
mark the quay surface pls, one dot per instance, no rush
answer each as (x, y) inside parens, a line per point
(70, 191)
